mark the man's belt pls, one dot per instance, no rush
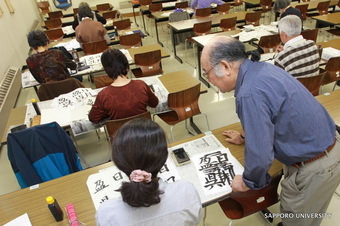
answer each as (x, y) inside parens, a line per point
(298, 164)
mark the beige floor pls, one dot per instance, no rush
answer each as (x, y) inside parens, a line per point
(219, 107)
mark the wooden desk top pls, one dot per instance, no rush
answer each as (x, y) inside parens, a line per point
(331, 103)
(148, 48)
(215, 19)
(73, 189)
(16, 117)
(313, 4)
(332, 18)
(335, 43)
(202, 40)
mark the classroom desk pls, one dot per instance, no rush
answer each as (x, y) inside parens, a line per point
(313, 4)
(331, 103)
(327, 20)
(187, 25)
(173, 82)
(73, 189)
(335, 43)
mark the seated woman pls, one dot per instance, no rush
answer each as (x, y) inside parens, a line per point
(47, 64)
(89, 30)
(96, 17)
(124, 97)
(139, 149)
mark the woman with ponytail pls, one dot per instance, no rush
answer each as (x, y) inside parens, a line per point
(139, 149)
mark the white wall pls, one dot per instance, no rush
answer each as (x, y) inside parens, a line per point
(14, 28)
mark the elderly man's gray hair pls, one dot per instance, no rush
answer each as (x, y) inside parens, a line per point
(291, 25)
(280, 4)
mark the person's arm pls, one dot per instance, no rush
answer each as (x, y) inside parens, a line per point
(75, 22)
(100, 19)
(218, 2)
(105, 35)
(153, 99)
(69, 63)
(194, 4)
(234, 137)
(256, 119)
(37, 78)
(97, 112)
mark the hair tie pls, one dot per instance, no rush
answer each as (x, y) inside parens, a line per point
(249, 53)
(140, 175)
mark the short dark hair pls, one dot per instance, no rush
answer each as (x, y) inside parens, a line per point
(114, 63)
(84, 11)
(37, 38)
(280, 4)
(140, 144)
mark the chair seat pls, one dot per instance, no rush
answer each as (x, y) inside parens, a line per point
(63, 5)
(137, 72)
(335, 31)
(171, 117)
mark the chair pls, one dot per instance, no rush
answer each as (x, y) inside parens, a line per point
(102, 81)
(52, 89)
(149, 63)
(44, 7)
(253, 18)
(312, 83)
(203, 12)
(155, 7)
(184, 105)
(55, 15)
(179, 16)
(95, 47)
(62, 4)
(242, 204)
(238, 4)
(103, 7)
(310, 34)
(199, 29)
(182, 5)
(322, 9)
(228, 24)
(75, 11)
(53, 24)
(266, 6)
(303, 9)
(111, 15)
(55, 34)
(113, 125)
(129, 41)
(332, 71)
(223, 9)
(269, 43)
(41, 153)
(335, 31)
(122, 24)
(145, 2)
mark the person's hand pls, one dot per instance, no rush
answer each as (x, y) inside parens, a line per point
(238, 184)
(279, 48)
(233, 137)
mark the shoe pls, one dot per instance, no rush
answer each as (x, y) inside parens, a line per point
(280, 224)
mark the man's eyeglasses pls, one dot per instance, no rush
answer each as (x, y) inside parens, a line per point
(206, 74)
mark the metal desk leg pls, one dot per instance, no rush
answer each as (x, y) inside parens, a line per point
(134, 15)
(194, 126)
(157, 37)
(174, 45)
(199, 67)
(147, 33)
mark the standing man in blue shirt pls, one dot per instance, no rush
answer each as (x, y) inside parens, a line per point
(282, 120)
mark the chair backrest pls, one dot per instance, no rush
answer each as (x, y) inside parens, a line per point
(145, 2)
(332, 70)
(310, 34)
(228, 24)
(242, 204)
(55, 34)
(305, 0)
(303, 9)
(182, 5)
(52, 89)
(44, 6)
(122, 24)
(185, 102)
(266, 5)
(55, 15)
(102, 81)
(103, 7)
(113, 125)
(322, 7)
(53, 23)
(149, 62)
(203, 12)
(223, 9)
(95, 47)
(269, 43)
(132, 40)
(253, 18)
(238, 2)
(41, 153)
(155, 7)
(202, 28)
(75, 11)
(110, 14)
(312, 83)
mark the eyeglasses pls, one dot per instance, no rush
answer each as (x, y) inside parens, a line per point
(206, 74)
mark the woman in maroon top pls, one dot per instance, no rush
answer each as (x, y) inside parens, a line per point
(47, 64)
(124, 97)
